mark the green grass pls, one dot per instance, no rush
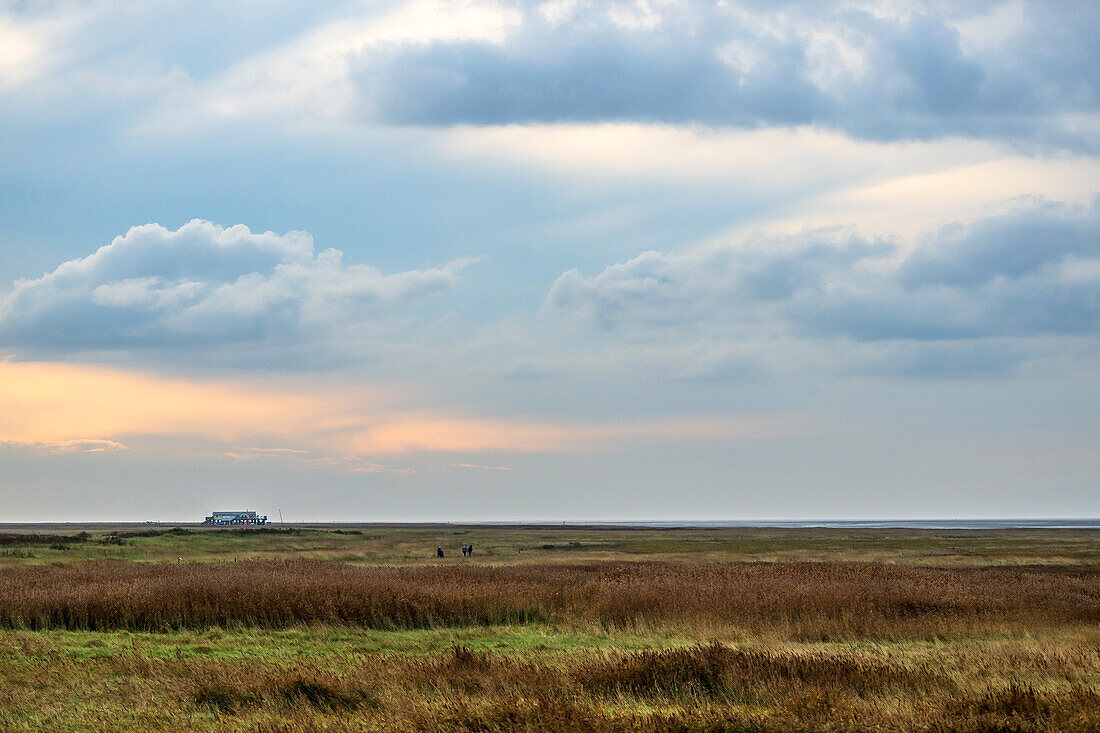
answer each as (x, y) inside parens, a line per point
(222, 679)
(322, 641)
(416, 545)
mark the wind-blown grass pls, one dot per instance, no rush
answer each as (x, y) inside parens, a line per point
(712, 687)
(578, 631)
(809, 600)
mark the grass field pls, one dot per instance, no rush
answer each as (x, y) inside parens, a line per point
(548, 628)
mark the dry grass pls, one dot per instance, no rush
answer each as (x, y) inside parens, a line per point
(704, 688)
(655, 643)
(811, 601)
(718, 669)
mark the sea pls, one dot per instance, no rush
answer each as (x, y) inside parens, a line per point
(857, 523)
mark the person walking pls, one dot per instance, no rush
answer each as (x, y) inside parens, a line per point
(469, 550)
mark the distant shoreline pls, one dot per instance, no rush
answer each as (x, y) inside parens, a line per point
(929, 524)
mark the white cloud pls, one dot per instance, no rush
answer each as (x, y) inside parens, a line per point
(1015, 71)
(768, 159)
(911, 202)
(20, 56)
(57, 56)
(929, 72)
(204, 284)
(798, 178)
(80, 445)
(310, 77)
(1027, 275)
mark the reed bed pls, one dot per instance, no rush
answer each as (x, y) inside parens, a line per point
(808, 601)
(308, 645)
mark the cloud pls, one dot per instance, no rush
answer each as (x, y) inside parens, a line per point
(484, 468)
(67, 404)
(308, 76)
(730, 285)
(19, 56)
(768, 160)
(1018, 70)
(204, 285)
(1033, 273)
(316, 459)
(81, 445)
(1008, 247)
(442, 433)
(909, 202)
(344, 426)
(929, 73)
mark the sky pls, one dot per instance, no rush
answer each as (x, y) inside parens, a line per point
(549, 261)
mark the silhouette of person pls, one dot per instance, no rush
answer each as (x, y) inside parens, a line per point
(439, 552)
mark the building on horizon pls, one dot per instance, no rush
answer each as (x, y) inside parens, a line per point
(223, 519)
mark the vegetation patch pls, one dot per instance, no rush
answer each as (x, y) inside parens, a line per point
(817, 601)
(173, 531)
(324, 694)
(587, 636)
(717, 669)
(16, 538)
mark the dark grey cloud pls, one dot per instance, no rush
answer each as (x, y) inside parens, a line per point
(752, 65)
(586, 70)
(1031, 273)
(203, 285)
(1007, 247)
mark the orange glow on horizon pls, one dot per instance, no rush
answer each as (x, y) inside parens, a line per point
(76, 407)
(456, 435)
(51, 403)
